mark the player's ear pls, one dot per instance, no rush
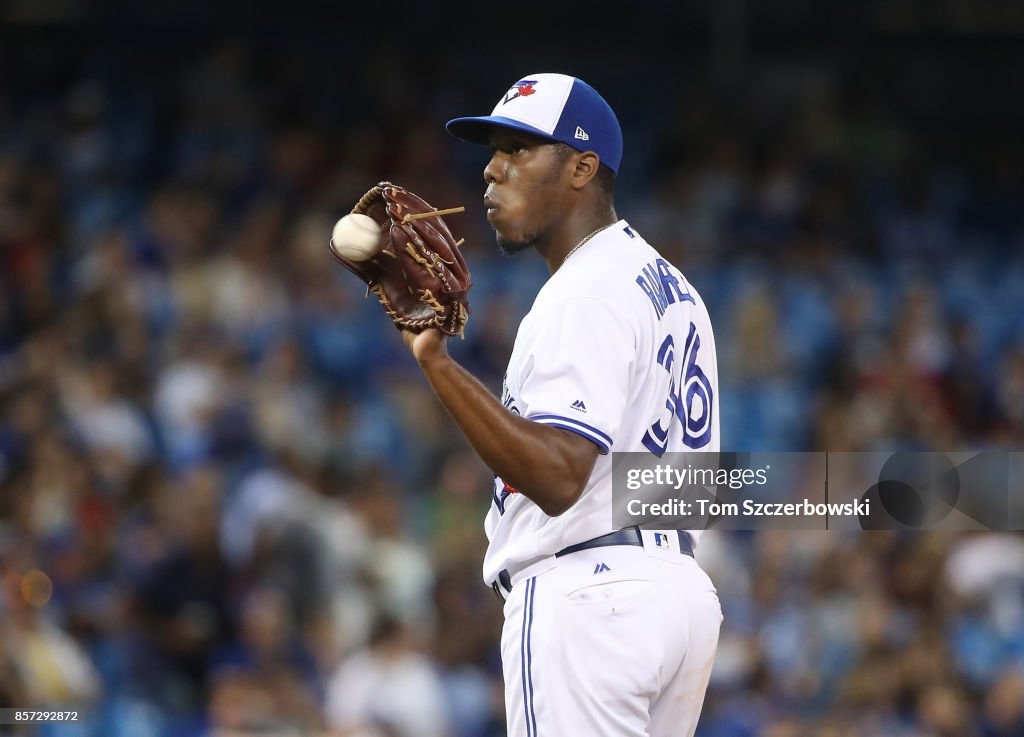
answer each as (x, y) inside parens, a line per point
(587, 164)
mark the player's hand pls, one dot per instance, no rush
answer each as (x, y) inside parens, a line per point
(426, 346)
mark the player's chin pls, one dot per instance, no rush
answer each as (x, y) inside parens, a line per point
(510, 235)
(511, 245)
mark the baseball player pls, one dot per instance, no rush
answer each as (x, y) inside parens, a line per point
(607, 632)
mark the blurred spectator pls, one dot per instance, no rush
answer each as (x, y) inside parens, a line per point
(387, 689)
(51, 667)
(181, 595)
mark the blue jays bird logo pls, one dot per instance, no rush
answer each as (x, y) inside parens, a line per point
(525, 88)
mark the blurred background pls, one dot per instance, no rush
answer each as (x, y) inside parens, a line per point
(229, 504)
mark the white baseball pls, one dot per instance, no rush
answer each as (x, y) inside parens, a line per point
(356, 237)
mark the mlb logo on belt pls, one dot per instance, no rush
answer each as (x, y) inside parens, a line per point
(661, 540)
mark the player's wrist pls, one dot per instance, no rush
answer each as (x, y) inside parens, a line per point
(434, 357)
(427, 347)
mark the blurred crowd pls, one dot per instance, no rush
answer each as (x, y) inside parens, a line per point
(229, 504)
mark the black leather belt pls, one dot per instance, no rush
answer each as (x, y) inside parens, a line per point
(628, 536)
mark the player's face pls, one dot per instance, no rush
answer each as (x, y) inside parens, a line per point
(526, 183)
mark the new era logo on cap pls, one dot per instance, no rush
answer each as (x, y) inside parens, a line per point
(554, 106)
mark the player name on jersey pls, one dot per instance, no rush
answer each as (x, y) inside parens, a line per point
(661, 287)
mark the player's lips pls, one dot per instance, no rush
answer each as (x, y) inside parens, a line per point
(491, 205)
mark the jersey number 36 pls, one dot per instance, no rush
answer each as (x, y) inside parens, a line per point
(690, 397)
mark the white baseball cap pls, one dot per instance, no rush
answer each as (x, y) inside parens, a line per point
(556, 107)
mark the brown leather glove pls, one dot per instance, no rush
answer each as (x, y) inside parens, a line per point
(419, 276)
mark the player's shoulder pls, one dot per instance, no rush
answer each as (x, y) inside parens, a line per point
(620, 268)
(602, 266)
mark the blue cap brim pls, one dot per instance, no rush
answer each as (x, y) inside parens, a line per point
(478, 130)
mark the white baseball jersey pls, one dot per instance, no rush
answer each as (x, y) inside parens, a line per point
(618, 348)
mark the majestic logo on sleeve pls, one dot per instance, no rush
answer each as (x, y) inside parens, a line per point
(525, 88)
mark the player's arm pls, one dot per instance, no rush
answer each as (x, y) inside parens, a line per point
(548, 465)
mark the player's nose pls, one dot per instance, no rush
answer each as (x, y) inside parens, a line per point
(495, 168)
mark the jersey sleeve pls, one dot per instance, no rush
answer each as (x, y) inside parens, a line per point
(576, 370)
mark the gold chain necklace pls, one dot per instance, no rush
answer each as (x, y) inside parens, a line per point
(583, 242)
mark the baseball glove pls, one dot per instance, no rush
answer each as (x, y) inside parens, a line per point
(419, 276)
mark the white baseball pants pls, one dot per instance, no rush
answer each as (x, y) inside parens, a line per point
(610, 642)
